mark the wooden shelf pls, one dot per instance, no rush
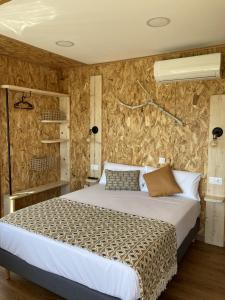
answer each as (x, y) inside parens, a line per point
(33, 91)
(92, 180)
(54, 141)
(38, 189)
(55, 121)
(215, 199)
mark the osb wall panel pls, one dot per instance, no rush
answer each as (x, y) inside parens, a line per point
(18, 72)
(79, 91)
(26, 134)
(140, 137)
(23, 51)
(26, 129)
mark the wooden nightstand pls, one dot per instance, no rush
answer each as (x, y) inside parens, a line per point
(91, 181)
(214, 225)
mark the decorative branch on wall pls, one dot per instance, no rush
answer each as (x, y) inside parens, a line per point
(153, 103)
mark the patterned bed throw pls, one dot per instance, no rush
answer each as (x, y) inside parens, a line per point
(146, 245)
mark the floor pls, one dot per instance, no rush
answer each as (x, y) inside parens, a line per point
(201, 276)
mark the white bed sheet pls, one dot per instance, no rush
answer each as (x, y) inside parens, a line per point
(99, 273)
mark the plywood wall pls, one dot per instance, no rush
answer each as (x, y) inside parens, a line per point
(29, 53)
(26, 129)
(140, 137)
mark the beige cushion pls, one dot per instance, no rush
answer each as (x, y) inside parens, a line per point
(161, 182)
(122, 180)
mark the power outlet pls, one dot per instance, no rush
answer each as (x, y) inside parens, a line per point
(162, 160)
(94, 167)
(216, 180)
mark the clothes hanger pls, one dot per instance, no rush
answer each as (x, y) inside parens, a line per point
(22, 104)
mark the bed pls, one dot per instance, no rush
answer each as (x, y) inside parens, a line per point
(75, 273)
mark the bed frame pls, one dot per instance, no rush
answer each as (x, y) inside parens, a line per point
(66, 288)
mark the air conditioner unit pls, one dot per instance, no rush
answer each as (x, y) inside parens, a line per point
(188, 68)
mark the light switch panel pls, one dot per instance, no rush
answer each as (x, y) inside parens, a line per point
(216, 180)
(162, 160)
(94, 167)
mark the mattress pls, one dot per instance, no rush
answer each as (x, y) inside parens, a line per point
(99, 273)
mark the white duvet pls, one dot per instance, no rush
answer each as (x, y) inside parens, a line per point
(107, 276)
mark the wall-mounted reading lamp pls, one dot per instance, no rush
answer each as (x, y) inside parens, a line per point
(217, 132)
(93, 130)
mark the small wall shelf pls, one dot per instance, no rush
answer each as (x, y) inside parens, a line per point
(55, 121)
(215, 199)
(54, 141)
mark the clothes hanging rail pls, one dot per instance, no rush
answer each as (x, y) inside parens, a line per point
(33, 91)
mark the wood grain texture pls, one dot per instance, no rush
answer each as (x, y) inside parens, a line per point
(80, 122)
(96, 120)
(200, 276)
(140, 137)
(64, 128)
(216, 155)
(33, 91)
(21, 203)
(214, 225)
(7, 274)
(26, 52)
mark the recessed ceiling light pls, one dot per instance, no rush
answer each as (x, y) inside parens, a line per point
(65, 43)
(158, 22)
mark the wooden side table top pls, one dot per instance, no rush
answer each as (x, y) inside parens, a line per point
(91, 180)
(215, 199)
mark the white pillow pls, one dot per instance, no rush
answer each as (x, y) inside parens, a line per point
(121, 167)
(188, 182)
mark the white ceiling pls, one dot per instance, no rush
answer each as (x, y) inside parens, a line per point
(108, 30)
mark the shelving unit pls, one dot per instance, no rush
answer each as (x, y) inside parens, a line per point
(64, 144)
